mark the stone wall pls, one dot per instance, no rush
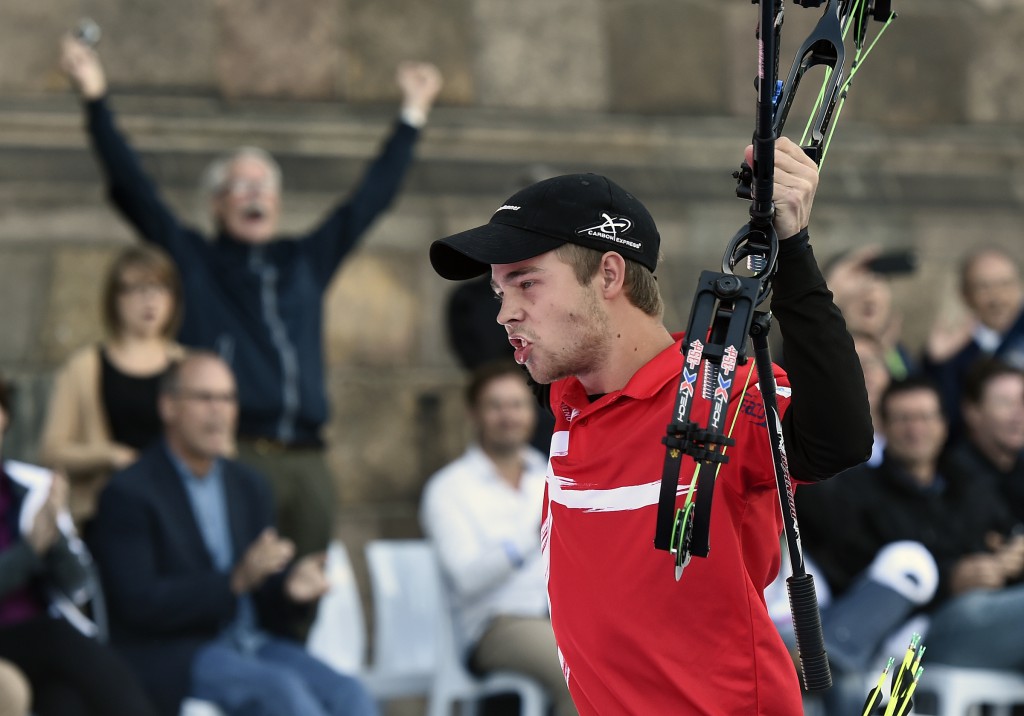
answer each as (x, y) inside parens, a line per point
(944, 60)
(655, 93)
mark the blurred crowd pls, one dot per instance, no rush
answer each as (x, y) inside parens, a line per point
(185, 478)
(184, 468)
(929, 531)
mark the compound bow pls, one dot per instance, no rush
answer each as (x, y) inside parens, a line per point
(723, 312)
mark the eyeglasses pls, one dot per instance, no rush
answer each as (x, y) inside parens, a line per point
(207, 397)
(244, 187)
(991, 286)
(920, 417)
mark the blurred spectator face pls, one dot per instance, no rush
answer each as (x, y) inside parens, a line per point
(992, 289)
(996, 422)
(145, 303)
(872, 363)
(504, 414)
(869, 309)
(200, 416)
(914, 427)
(247, 204)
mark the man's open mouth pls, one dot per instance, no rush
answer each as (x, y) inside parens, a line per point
(522, 347)
(253, 212)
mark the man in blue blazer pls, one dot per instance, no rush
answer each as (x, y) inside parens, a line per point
(197, 579)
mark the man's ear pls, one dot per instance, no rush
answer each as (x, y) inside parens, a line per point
(217, 210)
(612, 273)
(166, 407)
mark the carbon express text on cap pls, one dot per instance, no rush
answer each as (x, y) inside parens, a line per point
(585, 209)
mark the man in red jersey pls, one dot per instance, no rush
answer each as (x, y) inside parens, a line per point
(572, 259)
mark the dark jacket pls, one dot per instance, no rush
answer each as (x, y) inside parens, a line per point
(827, 427)
(847, 521)
(60, 568)
(164, 596)
(1009, 484)
(260, 307)
(950, 374)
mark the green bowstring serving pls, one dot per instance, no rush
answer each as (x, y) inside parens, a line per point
(858, 13)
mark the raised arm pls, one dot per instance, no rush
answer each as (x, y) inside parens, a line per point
(329, 243)
(129, 187)
(827, 427)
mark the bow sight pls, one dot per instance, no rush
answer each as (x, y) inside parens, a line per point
(825, 46)
(723, 311)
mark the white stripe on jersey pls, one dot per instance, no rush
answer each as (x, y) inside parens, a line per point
(615, 499)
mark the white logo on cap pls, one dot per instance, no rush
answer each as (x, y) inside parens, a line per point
(609, 230)
(507, 207)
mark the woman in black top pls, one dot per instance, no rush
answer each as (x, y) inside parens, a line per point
(103, 406)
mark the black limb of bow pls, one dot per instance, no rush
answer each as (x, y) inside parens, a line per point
(723, 315)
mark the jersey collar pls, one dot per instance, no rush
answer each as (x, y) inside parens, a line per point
(645, 383)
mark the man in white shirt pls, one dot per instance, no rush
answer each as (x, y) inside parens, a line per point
(482, 513)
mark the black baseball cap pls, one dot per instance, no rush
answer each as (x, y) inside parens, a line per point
(585, 209)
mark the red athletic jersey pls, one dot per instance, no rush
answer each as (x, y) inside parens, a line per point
(632, 639)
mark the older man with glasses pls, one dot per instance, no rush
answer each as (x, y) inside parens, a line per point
(197, 578)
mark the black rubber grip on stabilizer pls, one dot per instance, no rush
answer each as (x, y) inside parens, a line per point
(810, 642)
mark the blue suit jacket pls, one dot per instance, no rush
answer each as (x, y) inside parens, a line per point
(951, 374)
(164, 596)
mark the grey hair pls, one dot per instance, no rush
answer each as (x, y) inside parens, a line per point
(216, 173)
(170, 381)
(971, 258)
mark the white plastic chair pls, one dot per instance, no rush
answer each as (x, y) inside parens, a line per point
(414, 637)
(404, 636)
(339, 638)
(195, 707)
(959, 690)
(338, 635)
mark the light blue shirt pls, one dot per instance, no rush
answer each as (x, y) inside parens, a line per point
(209, 506)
